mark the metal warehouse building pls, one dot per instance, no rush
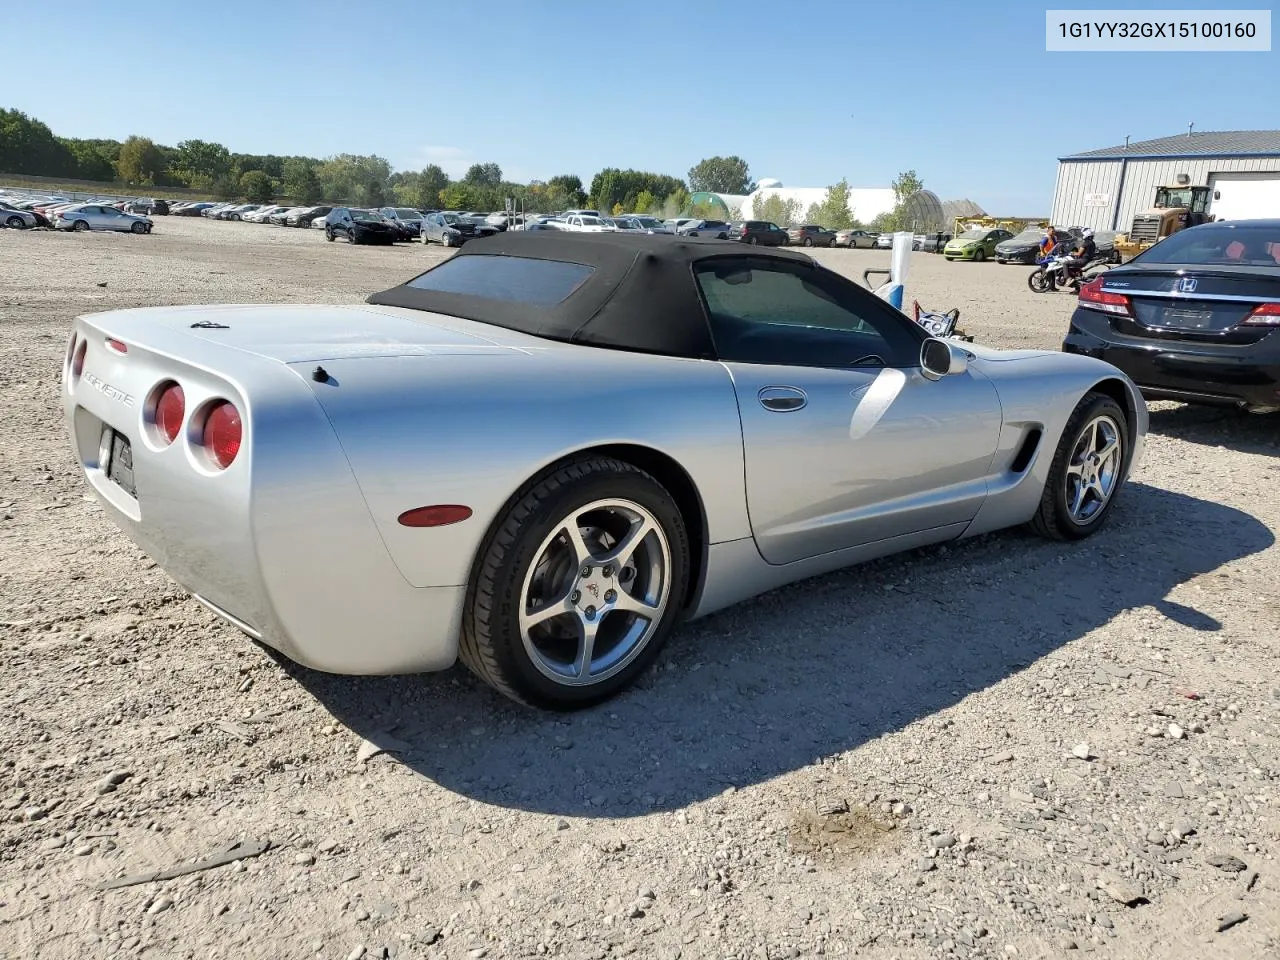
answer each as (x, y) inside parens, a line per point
(1103, 189)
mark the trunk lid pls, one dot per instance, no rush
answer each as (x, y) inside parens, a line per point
(1190, 303)
(310, 333)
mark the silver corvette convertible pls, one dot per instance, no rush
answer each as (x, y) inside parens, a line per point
(545, 452)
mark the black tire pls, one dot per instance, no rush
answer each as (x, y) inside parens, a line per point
(80, 226)
(1053, 519)
(351, 236)
(491, 644)
(752, 241)
(808, 241)
(1039, 281)
(138, 228)
(980, 256)
(15, 223)
(328, 234)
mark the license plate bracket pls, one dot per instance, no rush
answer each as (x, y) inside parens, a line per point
(120, 463)
(1181, 318)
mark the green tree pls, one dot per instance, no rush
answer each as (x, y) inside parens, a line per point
(199, 163)
(299, 181)
(256, 186)
(459, 196)
(567, 189)
(95, 159)
(353, 178)
(432, 181)
(676, 203)
(905, 185)
(484, 174)
(611, 186)
(141, 162)
(775, 209)
(644, 202)
(721, 175)
(833, 213)
(28, 146)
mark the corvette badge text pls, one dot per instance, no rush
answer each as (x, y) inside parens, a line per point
(107, 390)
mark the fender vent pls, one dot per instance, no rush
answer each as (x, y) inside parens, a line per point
(1026, 451)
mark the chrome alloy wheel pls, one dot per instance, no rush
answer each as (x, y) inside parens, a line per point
(595, 592)
(1093, 472)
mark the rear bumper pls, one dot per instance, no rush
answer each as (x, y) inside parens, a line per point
(281, 544)
(1213, 374)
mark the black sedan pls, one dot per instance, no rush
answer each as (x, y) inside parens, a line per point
(358, 226)
(1195, 318)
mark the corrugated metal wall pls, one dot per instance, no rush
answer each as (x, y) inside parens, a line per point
(1076, 179)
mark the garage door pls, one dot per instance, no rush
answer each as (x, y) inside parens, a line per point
(1244, 196)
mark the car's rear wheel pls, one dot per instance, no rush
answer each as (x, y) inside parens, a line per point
(980, 255)
(752, 241)
(80, 226)
(1087, 470)
(351, 236)
(577, 586)
(328, 234)
(808, 241)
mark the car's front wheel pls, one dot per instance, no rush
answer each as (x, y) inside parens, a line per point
(1087, 470)
(80, 226)
(577, 585)
(16, 223)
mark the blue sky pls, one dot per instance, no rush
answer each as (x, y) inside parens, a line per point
(806, 91)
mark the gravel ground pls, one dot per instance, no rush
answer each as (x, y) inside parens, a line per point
(1001, 748)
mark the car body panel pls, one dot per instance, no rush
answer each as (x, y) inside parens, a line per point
(1185, 335)
(355, 414)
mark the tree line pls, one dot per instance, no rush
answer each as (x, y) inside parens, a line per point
(28, 146)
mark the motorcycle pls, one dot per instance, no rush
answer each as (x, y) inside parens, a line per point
(1053, 272)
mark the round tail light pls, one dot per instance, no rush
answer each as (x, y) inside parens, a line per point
(222, 433)
(171, 407)
(77, 362)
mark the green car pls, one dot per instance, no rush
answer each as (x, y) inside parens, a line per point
(975, 244)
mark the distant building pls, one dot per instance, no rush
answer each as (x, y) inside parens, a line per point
(865, 203)
(1104, 188)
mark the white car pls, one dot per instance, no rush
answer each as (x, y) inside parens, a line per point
(260, 215)
(587, 224)
(90, 216)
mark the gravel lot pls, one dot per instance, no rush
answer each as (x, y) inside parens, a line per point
(1002, 748)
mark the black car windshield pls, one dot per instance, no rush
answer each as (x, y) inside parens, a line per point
(405, 213)
(1027, 236)
(1223, 245)
(540, 283)
(365, 216)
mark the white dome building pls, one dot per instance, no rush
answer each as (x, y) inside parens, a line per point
(865, 203)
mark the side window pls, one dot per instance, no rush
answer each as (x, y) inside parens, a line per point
(762, 311)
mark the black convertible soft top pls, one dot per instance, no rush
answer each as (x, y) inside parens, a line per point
(628, 291)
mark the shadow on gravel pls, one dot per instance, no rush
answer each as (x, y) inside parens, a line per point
(1219, 427)
(817, 668)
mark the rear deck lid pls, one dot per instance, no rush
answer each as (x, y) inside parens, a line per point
(299, 334)
(1190, 302)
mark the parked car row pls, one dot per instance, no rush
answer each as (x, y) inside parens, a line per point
(23, 212)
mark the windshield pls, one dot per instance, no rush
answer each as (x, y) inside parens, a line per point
(1028, 236)
(591, 221)
(972, 235)
(450, 217)
(404, 213)
(365, 216)
(1257, 246)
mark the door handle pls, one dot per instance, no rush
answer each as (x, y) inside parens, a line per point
(782, 399)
